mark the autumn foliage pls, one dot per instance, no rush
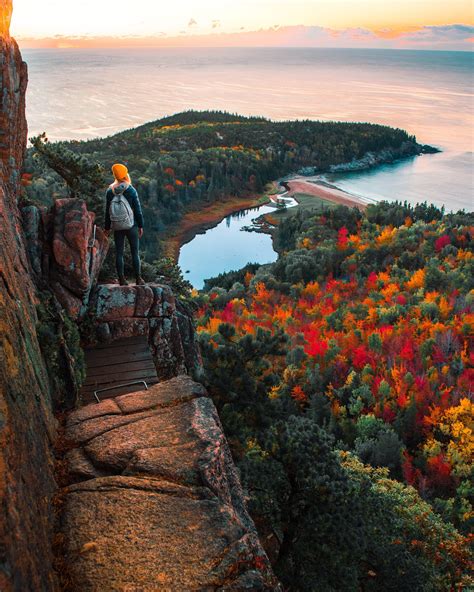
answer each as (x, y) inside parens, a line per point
(382, 327)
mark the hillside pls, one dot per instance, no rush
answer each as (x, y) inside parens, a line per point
(193, 159)
(355, 346)
(342, 375)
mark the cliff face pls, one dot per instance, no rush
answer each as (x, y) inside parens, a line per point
(66, 250)
(27, 427)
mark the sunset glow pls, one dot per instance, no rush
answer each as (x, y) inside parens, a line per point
(67, 22)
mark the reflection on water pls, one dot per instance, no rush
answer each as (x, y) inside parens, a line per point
(226, 247)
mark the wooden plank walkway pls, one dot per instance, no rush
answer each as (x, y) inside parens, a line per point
(111, 365)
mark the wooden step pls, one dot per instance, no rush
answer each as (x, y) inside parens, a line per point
(114, 366)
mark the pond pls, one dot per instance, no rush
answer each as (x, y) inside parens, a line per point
(227, 246)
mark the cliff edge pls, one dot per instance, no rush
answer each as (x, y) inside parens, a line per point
(155, 502)
(27, 426)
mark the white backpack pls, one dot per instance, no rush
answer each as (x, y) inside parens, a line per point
(121, 214)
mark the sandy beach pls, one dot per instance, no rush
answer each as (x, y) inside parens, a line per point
(203, 218)
(322, 190)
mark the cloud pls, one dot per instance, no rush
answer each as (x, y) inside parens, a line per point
(439, 34)
(453, 37)
(446, 37)
(192, 22)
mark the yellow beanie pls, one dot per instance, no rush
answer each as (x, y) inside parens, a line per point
(120, 172)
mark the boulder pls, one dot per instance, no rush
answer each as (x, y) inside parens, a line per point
(187, 334)
(129, 327)
(167, 347)
(164, 302)
(157, 306)
(66, 250)
(77, 254)
(155, 502)
(112, 302)
(144, 301)
(151, 310)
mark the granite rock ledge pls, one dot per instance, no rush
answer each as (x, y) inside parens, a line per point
(155, 502)
(154, 312)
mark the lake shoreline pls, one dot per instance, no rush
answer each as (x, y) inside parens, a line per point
(200, 220)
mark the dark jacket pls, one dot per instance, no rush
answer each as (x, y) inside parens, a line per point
(132, 198)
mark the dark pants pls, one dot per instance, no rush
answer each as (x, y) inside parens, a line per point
(134, 241)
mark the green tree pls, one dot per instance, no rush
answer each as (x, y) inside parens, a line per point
(84, 178)
(239, 376)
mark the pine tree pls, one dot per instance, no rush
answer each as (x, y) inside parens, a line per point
(84, 179)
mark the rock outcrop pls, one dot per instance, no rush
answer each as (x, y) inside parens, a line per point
(153, 311)
(66, 250)
(14, 79)
(27, 427)
(155, 502)
(385, 156)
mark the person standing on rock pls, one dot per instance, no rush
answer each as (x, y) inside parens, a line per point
(123, 214)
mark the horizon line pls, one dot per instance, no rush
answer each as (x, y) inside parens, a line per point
(362, 48)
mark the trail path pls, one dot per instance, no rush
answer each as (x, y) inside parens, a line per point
(153, 500)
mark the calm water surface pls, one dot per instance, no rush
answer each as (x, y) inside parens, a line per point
(226, 247)
(87, 93)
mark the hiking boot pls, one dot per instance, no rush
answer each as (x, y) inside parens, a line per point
(140, 281)
(123, 281)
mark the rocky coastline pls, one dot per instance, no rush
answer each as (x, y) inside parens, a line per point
(372, 159)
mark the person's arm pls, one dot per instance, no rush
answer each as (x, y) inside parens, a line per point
(137, 209)
(108, 199)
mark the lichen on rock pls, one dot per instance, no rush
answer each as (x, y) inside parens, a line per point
(66, 250)
(153, 311)
(27, 426)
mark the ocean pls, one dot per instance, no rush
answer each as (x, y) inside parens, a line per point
(80, 94)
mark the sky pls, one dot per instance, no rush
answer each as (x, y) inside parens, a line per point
(430, 24)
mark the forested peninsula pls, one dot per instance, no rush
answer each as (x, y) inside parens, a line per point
(208, 163)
